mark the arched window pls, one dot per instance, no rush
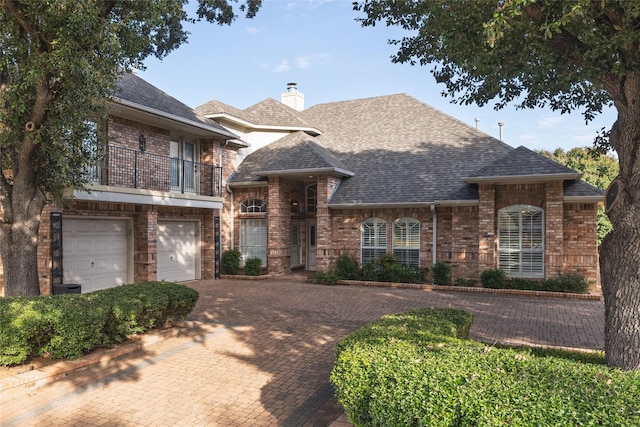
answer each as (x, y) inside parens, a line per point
(253, 206)
(374, 239)
(521, 241)
(406, 241)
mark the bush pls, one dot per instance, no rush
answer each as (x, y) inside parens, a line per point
(441, 272)
(68, 326)
(325, 278)
(470, 283)
(347, 268)
(388, 269)
(522, 284)
(412, 369)
(253, 266)
(573, 282)
(493, 279)
(230, 261)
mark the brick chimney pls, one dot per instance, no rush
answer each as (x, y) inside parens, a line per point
(292, 97)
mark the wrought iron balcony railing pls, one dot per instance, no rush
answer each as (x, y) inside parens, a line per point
(124, 167)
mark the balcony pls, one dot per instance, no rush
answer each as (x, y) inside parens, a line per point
(127, 168)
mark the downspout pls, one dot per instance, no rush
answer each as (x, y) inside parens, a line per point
(434, 247)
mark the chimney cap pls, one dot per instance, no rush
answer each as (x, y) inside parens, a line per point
(292, 86)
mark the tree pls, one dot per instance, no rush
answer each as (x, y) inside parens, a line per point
(59, 61)
(565, 54)
(597, 168)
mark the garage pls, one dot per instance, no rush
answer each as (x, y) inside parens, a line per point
(95, 253)
(177, 250)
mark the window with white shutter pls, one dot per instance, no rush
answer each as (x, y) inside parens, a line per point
(253, 239)
(521, 241)
(373, 239)
(406, 241)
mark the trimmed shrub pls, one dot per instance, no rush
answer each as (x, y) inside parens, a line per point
(325, 278)
(522, 284)
(253, 266)
(410, 370)
(573, 282)
(493, 279)
(346, 267)
(230, 261)
(470, 283)
(388, 269)
(441, 272)
(68, 326)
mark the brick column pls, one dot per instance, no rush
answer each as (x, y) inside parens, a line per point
(145, 244)
(486, 227)
(278, 228)
(325, 253)
(553, 229)
(207, 246)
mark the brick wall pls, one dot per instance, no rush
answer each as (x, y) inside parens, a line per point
(580, 247)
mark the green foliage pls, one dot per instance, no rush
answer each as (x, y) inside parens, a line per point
(325, 278)
(573, 282)
(596, 168)
(441, 272)
(493, 279)
(412, 370)
(346, 267)
(230, 261)
(253, 266)
(388, 269)
(68, 326)
(470, 283)
(522, 284)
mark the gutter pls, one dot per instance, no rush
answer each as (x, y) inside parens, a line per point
(164, 114)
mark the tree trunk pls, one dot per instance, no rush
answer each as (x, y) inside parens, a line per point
(620, 251)
(19, 242)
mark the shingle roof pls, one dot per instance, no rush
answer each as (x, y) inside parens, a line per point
(137, 91)
(522, 162)
(579, 188)
(400, 151)
(214, 107)
(292, 154)
(273, 113)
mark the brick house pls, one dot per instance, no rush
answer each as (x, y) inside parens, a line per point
(298, 188)
(150, 212)
(391, 174)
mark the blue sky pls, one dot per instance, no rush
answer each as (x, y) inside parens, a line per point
(319, 45)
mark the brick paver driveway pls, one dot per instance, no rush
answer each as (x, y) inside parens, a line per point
(260, 353)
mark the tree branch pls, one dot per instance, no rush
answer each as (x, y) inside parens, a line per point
(11, 6)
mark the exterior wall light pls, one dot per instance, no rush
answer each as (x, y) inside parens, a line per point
(142, 143)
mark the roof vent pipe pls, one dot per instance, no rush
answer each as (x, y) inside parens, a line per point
(500, 125)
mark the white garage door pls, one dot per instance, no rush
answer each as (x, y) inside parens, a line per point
(95, 253)
(176, 251)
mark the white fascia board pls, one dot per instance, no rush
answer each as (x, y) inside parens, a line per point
(219, 132)
(103, 193)
(523, 179)
(438, 203)
(303, 172)
(257, 127)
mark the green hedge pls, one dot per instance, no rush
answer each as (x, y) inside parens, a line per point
(412, 370)
(68, 326)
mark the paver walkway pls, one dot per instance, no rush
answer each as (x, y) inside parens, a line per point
(260, 353)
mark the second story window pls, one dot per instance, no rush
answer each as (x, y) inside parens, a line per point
(312, 198)
(253, 206)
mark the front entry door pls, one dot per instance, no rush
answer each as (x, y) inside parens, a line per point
(311, 244)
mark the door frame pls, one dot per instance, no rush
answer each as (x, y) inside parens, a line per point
(311, 245)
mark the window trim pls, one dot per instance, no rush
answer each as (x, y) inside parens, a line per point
(515, 257)
(406, 247)
(253, 205)
(378, 238)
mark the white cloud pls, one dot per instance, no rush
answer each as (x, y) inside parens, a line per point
(305, 62)
(549, 121)
(283, 66)
(252, 30)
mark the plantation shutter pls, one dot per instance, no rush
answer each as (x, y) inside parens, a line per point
(406, 241)
(374, 239)
(521, 241)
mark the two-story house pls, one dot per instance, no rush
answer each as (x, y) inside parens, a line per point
(151, 210)
(299, 187)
